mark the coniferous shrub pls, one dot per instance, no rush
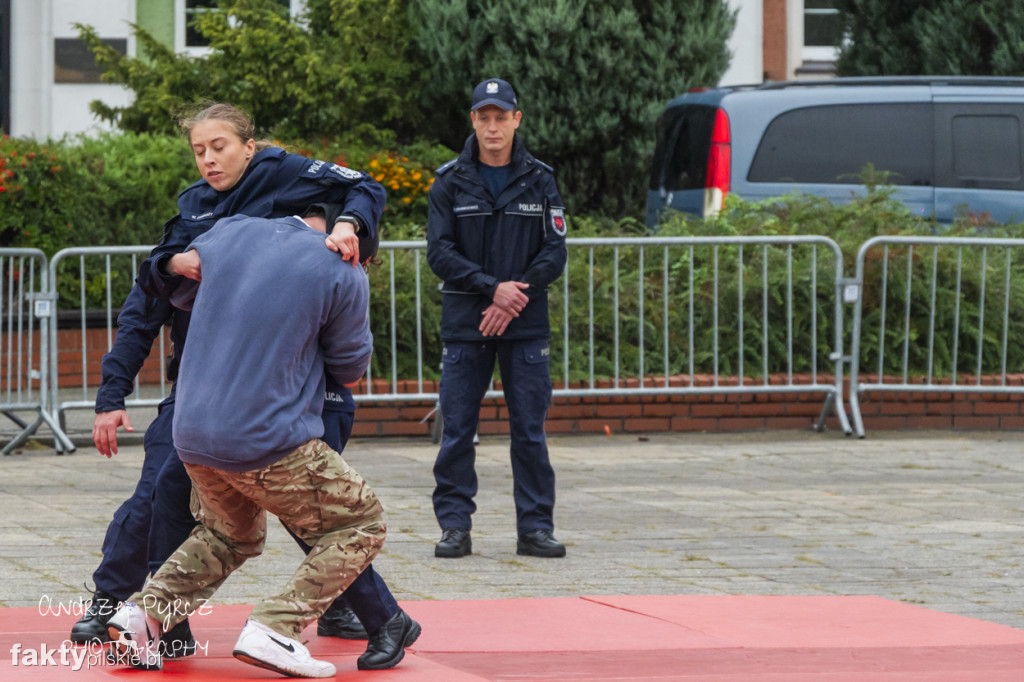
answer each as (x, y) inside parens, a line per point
(591, 78)
(948, 37)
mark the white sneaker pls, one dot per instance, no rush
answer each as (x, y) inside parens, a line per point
(135, 637)
(259, 645)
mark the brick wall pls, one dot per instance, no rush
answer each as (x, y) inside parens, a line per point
(774, 40)
(69, 357)
(718, 413)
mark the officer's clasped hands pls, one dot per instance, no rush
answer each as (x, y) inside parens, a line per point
(509, 300)
(509, 295)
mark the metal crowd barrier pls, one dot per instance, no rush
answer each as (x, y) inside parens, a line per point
(637, 319)
(930, 314)
(26, 302)
(940, 314)
(112, 272)
(744, 265)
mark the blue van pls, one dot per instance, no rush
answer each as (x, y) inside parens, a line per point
(948, 144)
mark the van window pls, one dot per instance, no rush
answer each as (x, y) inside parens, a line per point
(832, 144)
(681, 148)
(986, 151)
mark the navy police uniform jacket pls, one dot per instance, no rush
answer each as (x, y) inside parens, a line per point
(276, 184)
(138, 325)
(475, 241)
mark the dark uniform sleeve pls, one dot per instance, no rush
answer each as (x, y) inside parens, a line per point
(443, 253)
(138, 325)
(309, 181)
(549, 263)
(153, 278)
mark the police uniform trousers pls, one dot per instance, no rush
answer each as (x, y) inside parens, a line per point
(466, 371)
(315, 493)
(125, 546)
(368, 596)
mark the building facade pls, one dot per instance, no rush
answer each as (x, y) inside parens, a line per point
(778, 40)
(48, 77)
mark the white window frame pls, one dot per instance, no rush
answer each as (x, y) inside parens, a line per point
(816, 53)
(295, 7)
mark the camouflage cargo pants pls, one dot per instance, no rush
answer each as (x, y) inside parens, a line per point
(315, 493)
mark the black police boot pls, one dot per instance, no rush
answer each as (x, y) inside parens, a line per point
(455, 542)
(341, 622)
(387, 645)
(540, 542)
(92, 626)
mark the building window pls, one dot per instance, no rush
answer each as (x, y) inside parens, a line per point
(74, 62)
(194, 9)
(188, 38)
(822, 30)
(822, 37)
(821, 24)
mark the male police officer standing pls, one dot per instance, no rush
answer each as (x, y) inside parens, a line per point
(496, 236)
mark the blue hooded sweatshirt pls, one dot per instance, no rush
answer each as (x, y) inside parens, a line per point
(275, 309)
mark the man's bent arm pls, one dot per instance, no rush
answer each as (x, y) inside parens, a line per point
(345, 339)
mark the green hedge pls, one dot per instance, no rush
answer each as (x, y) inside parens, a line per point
(850, 226)
(119, 189)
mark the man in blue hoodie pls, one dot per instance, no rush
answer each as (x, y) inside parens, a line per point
(248, 429)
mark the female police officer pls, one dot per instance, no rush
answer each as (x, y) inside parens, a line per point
(239, 176)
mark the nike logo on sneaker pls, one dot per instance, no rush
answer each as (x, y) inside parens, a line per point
(287, 647)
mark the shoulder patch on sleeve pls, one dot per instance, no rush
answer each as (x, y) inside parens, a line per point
(558, 223)
(318, 168)
(345, 172)
(444, 168)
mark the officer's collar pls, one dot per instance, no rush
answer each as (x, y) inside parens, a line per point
(257, 159)
(471, 153)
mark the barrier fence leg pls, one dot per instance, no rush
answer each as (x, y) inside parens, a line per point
(14, 418)
(833, 403)
(22, 438)
(858, 420)
(61, 442)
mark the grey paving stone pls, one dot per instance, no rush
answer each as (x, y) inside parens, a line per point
(929, 518)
